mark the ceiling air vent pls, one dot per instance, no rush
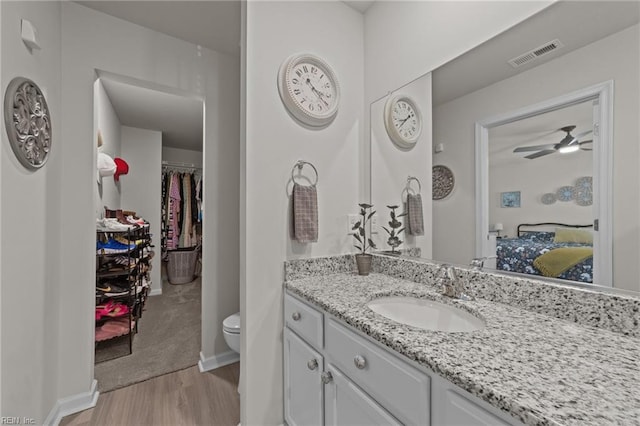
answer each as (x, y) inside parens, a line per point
(535, 53)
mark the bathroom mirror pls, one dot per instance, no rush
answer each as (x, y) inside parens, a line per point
(567, 47)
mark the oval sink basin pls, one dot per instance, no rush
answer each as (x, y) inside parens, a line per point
(426, 314)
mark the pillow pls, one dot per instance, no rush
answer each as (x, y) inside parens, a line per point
(537, 236)
(568, 235)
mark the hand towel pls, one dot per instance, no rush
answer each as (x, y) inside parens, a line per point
(305, 213)
(414, 216)
(555, 262)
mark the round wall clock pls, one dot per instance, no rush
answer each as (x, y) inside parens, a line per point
(309, 89)
(28, 123)
(403, 121)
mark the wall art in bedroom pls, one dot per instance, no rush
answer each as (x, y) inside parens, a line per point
(510, 199)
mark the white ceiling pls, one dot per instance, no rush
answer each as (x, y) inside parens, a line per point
(539, 130)
(574, 23)
(212, 24)
(179, 118)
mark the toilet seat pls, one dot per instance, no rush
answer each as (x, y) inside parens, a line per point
(231, 324)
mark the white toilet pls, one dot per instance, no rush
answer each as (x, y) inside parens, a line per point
(231, 330)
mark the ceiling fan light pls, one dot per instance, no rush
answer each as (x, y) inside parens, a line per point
(568, 148)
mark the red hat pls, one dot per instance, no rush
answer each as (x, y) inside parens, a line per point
(122, 168)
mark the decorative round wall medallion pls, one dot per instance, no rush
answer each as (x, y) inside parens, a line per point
(403, 121)
(27, 121)
(549, 198)
(443, 182)
(309, 89)
(584, 198)
(584, 191)
(566, 193)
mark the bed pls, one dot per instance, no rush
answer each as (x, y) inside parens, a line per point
(535, 239)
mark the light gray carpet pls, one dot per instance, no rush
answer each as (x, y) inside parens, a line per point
(168, 339)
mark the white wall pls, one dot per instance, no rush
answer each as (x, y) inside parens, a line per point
(182, 155)
(142, 186)
(533, 178)
(92, 40)
(30, 226)
(392, 166)
(274, 142)
(108, 191)
(618, 60)
(406, 39)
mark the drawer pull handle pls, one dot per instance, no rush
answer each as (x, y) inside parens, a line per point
(360, 362)
(326, 377)
(296, 316)
(312, 364)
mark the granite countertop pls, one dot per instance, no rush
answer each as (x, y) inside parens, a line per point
(540, 369)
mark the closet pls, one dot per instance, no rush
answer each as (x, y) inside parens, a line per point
(181, 226)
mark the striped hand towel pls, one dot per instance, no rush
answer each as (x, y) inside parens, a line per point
(414, 216)
(305, 213)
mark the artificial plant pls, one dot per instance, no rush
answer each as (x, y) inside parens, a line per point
(394, 239)
(360, 235)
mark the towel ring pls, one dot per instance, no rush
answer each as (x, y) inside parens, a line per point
(409, 179)
(300, 164)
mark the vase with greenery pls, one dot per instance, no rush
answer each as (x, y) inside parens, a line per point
(363, 260)
(394, 234)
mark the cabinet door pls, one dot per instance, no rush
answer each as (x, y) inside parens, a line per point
(303, 390)
(346, 404)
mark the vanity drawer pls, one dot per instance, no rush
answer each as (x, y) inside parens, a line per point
(401, 389)
(304, 320)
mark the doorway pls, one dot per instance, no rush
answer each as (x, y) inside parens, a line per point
(600, 96)
(157, 133)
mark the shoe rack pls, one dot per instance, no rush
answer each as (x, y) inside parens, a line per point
(122, 285)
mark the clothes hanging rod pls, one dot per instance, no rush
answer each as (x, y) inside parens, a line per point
(180, 164)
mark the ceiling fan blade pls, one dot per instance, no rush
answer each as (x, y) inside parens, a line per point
(584, 143)
(579, 135)
(540, 153)
(534, 148)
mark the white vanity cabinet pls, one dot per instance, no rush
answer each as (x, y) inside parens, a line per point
(347, 404)
(336, 376)
(302, 382)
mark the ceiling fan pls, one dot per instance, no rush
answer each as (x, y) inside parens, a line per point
(568, 144)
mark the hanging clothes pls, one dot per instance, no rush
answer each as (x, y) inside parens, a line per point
(173, 232)
(181, 209)
(194, 201)
(199, 197)
(185, 234)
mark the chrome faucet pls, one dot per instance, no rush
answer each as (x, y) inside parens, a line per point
(477, 263)
(452, 286)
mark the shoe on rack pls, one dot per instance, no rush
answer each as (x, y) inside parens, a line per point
(103, 288)
(113, 246)
(102, 310)
(117, 290)
(118, 310)
(109, 213)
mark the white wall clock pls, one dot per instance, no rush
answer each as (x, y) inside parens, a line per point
(403, 121)
(309, 89)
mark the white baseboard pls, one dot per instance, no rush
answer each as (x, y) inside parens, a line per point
(217, 361)
(73, 404)
(156, 292)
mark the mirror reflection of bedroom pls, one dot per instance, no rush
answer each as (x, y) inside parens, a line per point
(540, 194)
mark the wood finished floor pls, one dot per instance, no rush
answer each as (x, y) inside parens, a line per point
(182, 398)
